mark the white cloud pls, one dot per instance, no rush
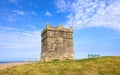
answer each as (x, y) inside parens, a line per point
(33, 13)
(20, 45)
(61, 5)
(32, 26)
(11, 17)
(13, 1)
(89, 13)
(13, 38)
(48, 13)
(20, 40)
(7, 28)
(19, 12)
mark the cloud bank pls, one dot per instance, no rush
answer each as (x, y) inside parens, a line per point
(14, 39)
(91, 13)
(48, 14)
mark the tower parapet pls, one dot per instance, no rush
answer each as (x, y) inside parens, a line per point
(59, 28)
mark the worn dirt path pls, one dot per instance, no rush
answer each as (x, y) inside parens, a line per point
(7, 65)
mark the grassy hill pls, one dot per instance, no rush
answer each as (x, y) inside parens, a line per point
(91, 66)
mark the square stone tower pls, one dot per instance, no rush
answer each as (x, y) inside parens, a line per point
(57, 43)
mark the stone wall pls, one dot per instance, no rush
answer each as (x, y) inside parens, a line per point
(57, 43)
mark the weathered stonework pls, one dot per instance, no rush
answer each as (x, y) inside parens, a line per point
(57, 43)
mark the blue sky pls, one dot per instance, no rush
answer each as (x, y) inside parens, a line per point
(95, 22)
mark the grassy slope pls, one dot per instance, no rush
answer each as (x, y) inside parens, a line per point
(91, 66)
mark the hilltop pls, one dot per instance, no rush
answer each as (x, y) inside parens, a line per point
(91, 66)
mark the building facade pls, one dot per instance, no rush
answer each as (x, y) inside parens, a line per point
(57, 43)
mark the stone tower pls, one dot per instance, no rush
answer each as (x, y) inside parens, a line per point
(57, 43)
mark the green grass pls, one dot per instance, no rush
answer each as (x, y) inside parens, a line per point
(92, 66)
